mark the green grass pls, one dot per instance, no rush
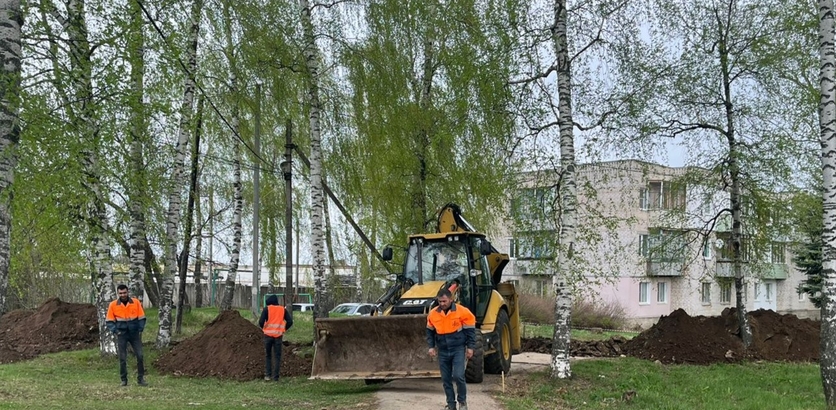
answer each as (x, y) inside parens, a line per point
(85, 380)
(599, 384)
(531, 330)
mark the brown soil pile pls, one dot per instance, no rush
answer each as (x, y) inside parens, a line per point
(229, 347)
(55, 326)
(579, 348)
(680, 338)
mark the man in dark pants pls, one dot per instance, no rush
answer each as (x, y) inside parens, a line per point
(126, 318)
(274, 321)
(451, 335)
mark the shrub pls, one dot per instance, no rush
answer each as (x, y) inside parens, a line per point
(585, 313)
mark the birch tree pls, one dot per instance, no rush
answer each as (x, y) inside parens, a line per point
(178, 181)
(314, 106)
(11, 20)
(827, 123)
(138, 137)
(238, 198)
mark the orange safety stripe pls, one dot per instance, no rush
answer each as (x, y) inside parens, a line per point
(456, 319)
(275, 324)
(119, 312)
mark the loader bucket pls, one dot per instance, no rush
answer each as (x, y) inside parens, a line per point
(373, 347)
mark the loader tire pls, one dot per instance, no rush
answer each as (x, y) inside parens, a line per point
(499, 362)
(475, 370)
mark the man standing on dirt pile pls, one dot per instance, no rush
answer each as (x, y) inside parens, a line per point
(451, 334)
(126, 318)
(274, 321)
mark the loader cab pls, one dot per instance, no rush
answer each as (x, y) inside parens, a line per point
(458, 260)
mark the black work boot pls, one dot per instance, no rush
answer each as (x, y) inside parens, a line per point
(124, 383)
(141, 382)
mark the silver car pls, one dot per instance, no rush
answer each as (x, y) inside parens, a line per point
(354, 309)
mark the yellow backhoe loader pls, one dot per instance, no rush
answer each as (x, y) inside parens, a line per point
(391, 343)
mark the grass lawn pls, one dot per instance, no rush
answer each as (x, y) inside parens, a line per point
(533, 330)
(85, 380)
(600, 384)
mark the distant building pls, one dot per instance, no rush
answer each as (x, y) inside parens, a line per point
(644, 227)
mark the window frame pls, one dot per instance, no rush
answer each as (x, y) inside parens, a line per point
(725, 293)
(644, 293)
(705, 293)
(662, 293)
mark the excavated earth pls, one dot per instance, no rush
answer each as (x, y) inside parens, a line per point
(55, 326)
(680, 338)
(229, 347)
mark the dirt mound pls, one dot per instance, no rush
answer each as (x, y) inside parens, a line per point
(680, 338)
(55, 326)
(229, 347)
(579, 348)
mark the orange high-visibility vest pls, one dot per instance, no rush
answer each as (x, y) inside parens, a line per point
(124, 312)
(455, 320)
(275, 324)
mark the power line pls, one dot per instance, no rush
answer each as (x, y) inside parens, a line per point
(197, 85)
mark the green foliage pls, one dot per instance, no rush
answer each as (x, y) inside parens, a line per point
(602, 384)
(808, 254)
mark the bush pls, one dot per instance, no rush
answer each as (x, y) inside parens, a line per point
(585, 313)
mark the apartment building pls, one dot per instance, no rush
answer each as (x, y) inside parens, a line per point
(649, 239)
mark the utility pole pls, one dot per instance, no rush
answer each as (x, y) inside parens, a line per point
(287, 168)
(211, 248)
(256, 200)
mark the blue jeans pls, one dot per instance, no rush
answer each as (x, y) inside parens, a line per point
(272, 349)
(452, 365)
(135, 340)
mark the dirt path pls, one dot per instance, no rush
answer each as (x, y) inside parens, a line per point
(427, 394)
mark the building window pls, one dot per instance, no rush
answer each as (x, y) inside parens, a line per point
(533, 245)
(757, 291)
(778, 254)
(662, 245)
(705, 293)
(802, 295)
(706, 249)
(644, 293)
(534, 205)
(662, 195)
(725, 293)
(662, 292)
(768, 291)
(541, 287)
(512, 248)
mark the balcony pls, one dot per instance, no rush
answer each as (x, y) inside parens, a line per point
(664, 268)
(770, 271)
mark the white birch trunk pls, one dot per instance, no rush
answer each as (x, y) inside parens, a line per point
(176, 183)
(560, 367)
(137, 196)
(827, 124)
(86, 124)
(734, 194)
(314, 106)
(11, 21)
(238, 197)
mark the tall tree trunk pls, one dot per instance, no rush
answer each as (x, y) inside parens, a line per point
(238, 198)
(198, 249)
(176, 183)
(137, 178)
(317, 197)
(428, 70)
(187, 240)
(273, 256)
(11, 20)
(85, 122)
(827, 127)
(734, 195)
(560, 367)
(153, 277)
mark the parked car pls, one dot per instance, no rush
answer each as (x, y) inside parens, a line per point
(303, 307)
(354, 309)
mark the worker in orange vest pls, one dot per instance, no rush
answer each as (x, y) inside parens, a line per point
(451, 334)
(126, 319)
(274, 322)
